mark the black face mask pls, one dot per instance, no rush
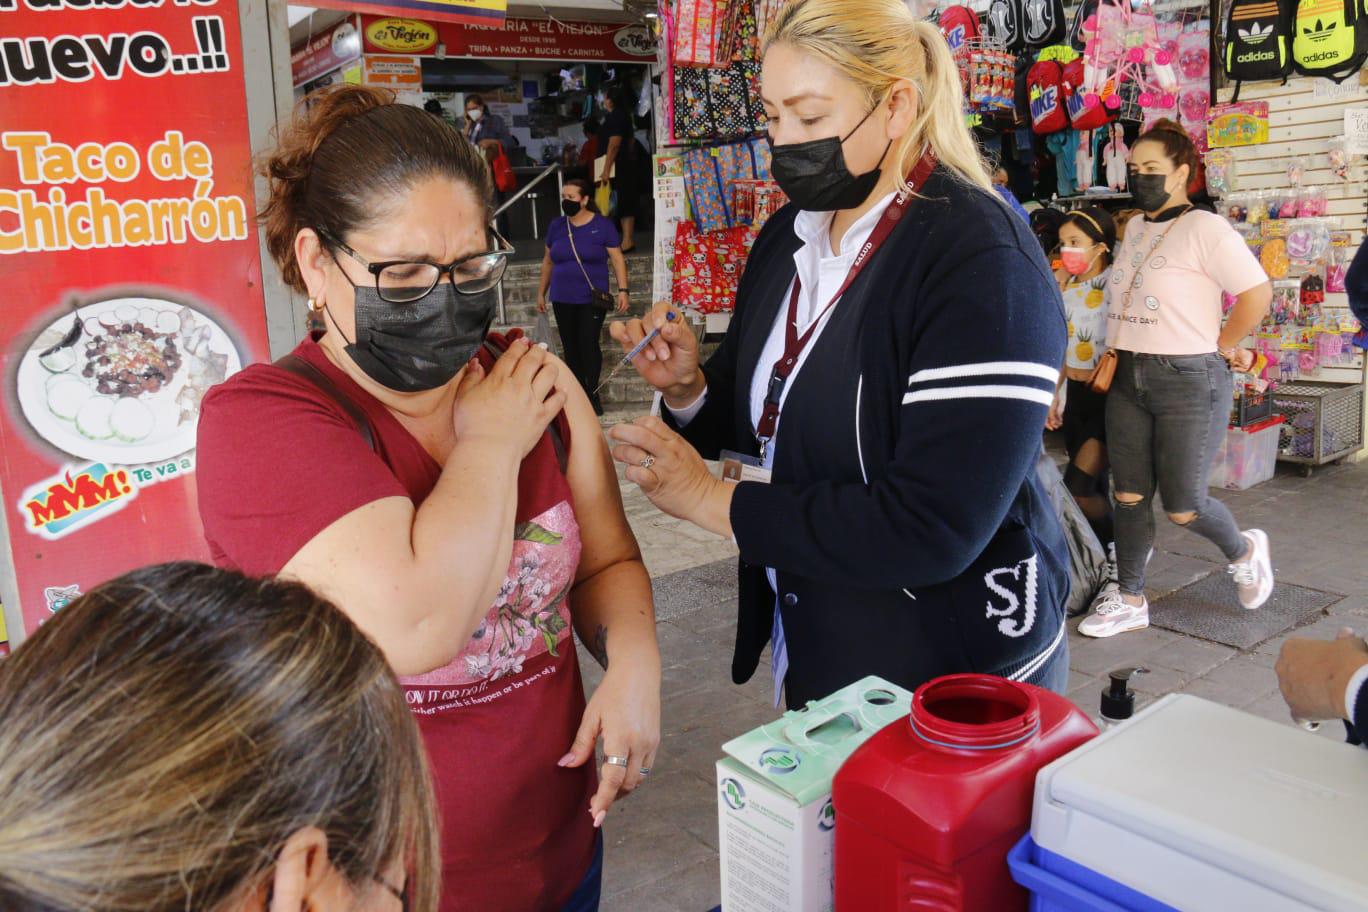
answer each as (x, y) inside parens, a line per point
(1149, 191)
(419, 346)
(571, 208)
(815, 176)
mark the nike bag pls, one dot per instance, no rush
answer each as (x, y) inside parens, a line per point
(1258, 40)
(1083, 116)
(1043, 22)
(959, 24)
(1328, 38)
(1045, 82)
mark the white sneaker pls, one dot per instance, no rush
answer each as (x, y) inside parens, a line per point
(1254, 577)
(1113, 615)
(1113, 583)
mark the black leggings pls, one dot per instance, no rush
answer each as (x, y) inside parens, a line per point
(1085, 422)
(580, 327)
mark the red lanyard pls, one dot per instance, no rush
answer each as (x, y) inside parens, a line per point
(794, 343)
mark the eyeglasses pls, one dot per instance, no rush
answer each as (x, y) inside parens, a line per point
(401, 895)
(403, 282)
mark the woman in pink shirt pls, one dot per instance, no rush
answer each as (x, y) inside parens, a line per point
(1170, 401)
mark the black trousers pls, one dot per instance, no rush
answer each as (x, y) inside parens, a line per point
(581, 326)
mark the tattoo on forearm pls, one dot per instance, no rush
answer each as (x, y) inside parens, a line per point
(599, 648)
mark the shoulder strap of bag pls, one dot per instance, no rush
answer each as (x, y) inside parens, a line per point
(557, 439)
(311, 374)
(570, 232)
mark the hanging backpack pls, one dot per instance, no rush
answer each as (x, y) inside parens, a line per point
(1043, 22)
(1329, 38)
(959, 24)
(1082, 13)
(1259, 40)
(1004, 24)
(1045, 82)
(1083, 116)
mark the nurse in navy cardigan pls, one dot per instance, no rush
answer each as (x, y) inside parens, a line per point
(902, 533)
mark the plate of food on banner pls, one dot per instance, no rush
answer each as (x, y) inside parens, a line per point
(121, 380)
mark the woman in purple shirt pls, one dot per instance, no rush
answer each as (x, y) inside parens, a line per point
(571, 281)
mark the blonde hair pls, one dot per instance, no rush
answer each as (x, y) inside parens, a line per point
(164, 736)
(875, 43)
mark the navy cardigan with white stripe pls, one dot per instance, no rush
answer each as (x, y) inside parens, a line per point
(909, 535)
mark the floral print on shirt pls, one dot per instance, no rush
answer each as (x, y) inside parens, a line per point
(530, 616)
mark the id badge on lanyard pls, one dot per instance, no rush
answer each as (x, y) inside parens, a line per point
(794, 344)
(738, 467)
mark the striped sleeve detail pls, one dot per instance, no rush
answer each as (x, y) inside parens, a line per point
(1021, 380)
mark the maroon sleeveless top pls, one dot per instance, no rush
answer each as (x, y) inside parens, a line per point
(278, 462)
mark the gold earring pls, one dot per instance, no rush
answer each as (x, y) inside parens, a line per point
(315, 306)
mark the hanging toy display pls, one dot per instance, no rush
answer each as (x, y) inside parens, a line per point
(1124, 47)
(1337, 262)
(1220, 172)
(1338, 157)
(1275, 260)
(1115, 155)
(1296, 172)
(1314, 203)
(1308, 243)
(1312, 291)
(1085, 162)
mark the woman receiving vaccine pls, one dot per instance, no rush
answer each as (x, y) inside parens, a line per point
(893, 355)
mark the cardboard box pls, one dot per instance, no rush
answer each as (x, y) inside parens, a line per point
(775, 818)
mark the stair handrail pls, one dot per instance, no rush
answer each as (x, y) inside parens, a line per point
(554, 167)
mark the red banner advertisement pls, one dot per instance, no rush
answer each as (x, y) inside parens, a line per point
(132, 278)
(465, 12)
(324, 53)
(522, 39)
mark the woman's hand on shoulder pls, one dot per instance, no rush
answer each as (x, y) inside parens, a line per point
(513, 402)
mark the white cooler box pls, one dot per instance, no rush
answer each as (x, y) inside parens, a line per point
(1208, 809)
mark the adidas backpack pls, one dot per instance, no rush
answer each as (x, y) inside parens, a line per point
(959, 24)
(1043, 22)
(1329, 38)
(1259, 40)
(1045, 81)
(1004, 24)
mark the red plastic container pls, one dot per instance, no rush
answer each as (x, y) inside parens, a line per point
(928, 808)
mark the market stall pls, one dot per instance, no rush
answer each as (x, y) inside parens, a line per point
(1056, 94)
(713, 186)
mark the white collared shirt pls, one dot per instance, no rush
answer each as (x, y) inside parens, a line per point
(822, 273)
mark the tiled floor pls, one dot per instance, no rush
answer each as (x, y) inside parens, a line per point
(662, 841)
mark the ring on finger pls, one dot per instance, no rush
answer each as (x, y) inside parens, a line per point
(645, 771)
(647, 462)
(612, 760)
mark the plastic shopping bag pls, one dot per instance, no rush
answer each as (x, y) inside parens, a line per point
(1087, 558)
(541, 332)
(605, 199)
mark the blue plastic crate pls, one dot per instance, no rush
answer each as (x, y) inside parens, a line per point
(1060, 885)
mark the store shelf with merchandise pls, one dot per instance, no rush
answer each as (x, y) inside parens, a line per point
(1305, 118)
